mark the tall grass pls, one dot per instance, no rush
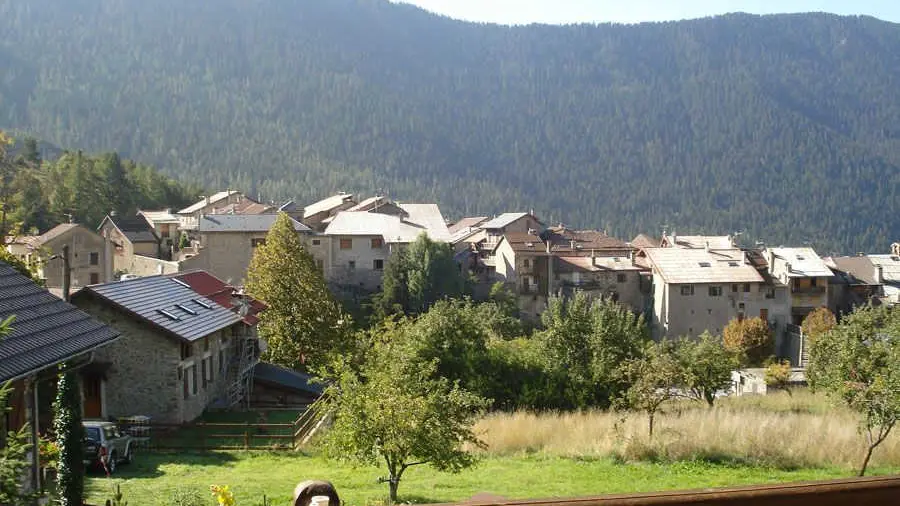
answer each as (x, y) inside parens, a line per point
(777, 430)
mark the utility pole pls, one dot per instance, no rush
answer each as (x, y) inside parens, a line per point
(67, 273)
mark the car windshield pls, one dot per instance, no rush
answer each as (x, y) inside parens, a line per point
(92, 433)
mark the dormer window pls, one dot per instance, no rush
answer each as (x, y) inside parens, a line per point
(704, 264)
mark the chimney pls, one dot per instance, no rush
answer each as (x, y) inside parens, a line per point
(593, 258)
(207, 200)
(879, 274)
(674, 239)
(730, 240)
(895, 249)
(770, 259)
(787, 267)
(707, 245)
(572, 243)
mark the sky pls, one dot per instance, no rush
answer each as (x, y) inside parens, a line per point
(635, 11)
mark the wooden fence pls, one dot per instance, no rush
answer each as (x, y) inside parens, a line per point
(207, 436)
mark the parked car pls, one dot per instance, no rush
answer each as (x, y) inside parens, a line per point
(105, 446)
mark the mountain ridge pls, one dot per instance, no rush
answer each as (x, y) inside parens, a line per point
(782, 126)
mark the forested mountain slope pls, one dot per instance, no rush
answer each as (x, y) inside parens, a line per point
(787, 127)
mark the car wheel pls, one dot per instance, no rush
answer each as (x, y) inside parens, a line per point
(112, 462)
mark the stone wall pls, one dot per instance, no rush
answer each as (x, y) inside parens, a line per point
(148, 266)
(147, 375)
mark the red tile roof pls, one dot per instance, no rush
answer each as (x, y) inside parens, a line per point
(215, 289)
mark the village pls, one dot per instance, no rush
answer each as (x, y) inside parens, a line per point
(151, 312)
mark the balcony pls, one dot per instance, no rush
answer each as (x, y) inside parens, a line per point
(808, 290)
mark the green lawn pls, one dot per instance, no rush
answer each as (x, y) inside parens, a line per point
(154, 479)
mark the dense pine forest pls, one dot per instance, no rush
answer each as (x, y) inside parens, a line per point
(42, 186)
(785, 127)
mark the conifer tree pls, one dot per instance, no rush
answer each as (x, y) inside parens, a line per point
(303, 325)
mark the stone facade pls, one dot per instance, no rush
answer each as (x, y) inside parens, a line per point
(157, 375)
(87, 259)
(357, 260)
(123, 250)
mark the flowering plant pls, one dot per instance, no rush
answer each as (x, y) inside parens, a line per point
(223, 495)
(49, 453)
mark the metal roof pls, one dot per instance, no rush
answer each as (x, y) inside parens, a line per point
(280, 376)
(467, 223)
(212, 199)
(595, 264)
(242, 223)
(699, 241)
(165, 303)
(429, 217)
(327, 204)
(681, 265)
(890, 267)
(503, 220)
(805, 262)
(46, 330)
(164, 216)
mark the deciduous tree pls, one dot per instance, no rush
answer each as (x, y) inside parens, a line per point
(304, 326)
(750, 339)
(706, 365)
(653, 380)
(817, 323)
(858, 363)
(778, 375)
(397, 411)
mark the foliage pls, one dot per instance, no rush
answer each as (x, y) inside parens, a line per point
(69, 434)
(585, 341)
(778, 375)
(858, 363)
(418, 276)
(80, 188)
(444, 110)
(750, 340)
(118, 498)
(223, 495)
(653, 380)
(304, 326)
(818, 322)
(187, 496)
(706, 365)
(14, 453)
(20, 266)
(49, 453)
(397, 410)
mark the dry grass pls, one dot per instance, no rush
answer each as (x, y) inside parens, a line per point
(775, 430)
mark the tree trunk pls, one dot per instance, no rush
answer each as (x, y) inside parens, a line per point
(392, 485)
(865, 464)
(710, 399)
(651, 423)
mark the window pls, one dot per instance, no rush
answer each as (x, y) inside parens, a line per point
(715, 291)
(316, 242)
(746, 287)
(704, 264)
(621, 277)
(189, 381)
(812, 282)
(378, 264)
(687, 289)
(209, 367)
(206, 343)
(222, 362)
(194, 379)
(164, 231)
(377, 243)
(351, 265)
(734, 288)
(203, 373)
(764, 314)
(770, 293)
(95, 278)
(526, 263)
(95, 258)
(320, 265)
(257, 242)
(347, 243)
(187, 351)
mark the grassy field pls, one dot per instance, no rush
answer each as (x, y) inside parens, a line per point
(156, 480)
(751, 440)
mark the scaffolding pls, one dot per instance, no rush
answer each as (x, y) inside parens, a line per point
(240, 370)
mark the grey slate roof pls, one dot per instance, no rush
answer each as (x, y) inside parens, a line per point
(280, 376)
(153, 299)
(243, 223)
(135, 228)
(46, 330)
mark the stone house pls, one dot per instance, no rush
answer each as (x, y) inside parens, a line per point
(89, 257)
(130, 236)
(805, 274)
(699, 289)
(869, 278)
(166, 226)
(46, 333)
(314, 215)
(189, 216)
(360, 243)
(559, 261)
(179, 352)
(227, 243)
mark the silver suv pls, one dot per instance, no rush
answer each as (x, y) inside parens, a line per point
(105, 446)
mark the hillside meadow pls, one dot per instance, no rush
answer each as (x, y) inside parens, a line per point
(749, 440)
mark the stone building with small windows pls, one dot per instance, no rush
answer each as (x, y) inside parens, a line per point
(178, 354)
(90, 257)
